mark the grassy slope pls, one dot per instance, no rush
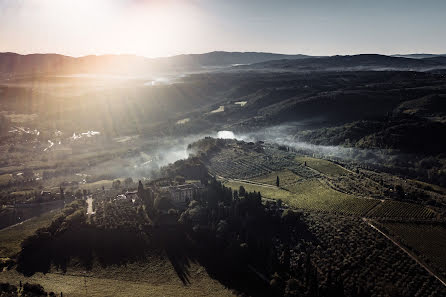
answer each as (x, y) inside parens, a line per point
(311, 194)
(323, 166)
(4, 179)
(156, 277)
(11, 237)
(429, 187)
(286, 177)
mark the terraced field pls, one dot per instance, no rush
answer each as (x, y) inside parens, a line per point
(250, 163)
(309, 183)
(402, 210)
(240, 168)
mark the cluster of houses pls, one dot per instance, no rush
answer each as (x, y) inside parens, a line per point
(165, 193)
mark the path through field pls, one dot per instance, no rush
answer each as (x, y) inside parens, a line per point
(249, 182)
(90, 206)
(415, 258)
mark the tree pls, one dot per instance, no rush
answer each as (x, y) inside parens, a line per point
(399, 192)
(277, 181)
(62, 194)
(128, 181)
(33, 290)
(28, 173)
(7, 289)
(4, 125)
(78, 194)
(140, 188)
(242, 191)
(116, 184)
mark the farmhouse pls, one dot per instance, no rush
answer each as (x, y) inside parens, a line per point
(182, 194)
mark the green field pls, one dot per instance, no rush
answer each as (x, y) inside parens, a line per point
(286, 177)
(429, 240)
(311, 194)
(323, 166)
(154, 277)
(11, 237)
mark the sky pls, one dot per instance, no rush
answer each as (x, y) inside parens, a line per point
(156, 28)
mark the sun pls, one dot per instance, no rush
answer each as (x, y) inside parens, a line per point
(145, 28)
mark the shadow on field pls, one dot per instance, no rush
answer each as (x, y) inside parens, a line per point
(227, 265)
(86, 245)
(178, 249)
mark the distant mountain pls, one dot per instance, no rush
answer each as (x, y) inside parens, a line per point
(12, 63)
(355, 62)
(418, 56)
(16, 64)
(220, 58)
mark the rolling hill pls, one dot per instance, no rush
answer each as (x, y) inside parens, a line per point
(13, 64)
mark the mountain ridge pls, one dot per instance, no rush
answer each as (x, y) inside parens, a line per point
(352, 62)
(52, 63)
(13, 63)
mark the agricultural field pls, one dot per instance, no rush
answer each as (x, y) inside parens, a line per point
(366, 257)
(321, 185)
(240, 168)
(357, 185)
(286, 178)
(402, 210)
(155, 277)
(267, 192)
(11, 237)
(425, 239)
(323, 166)
(245, 161)
(313, 195)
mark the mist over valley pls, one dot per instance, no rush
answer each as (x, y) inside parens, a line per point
(251, 174)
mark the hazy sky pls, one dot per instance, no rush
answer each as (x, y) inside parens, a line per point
(155, 28)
